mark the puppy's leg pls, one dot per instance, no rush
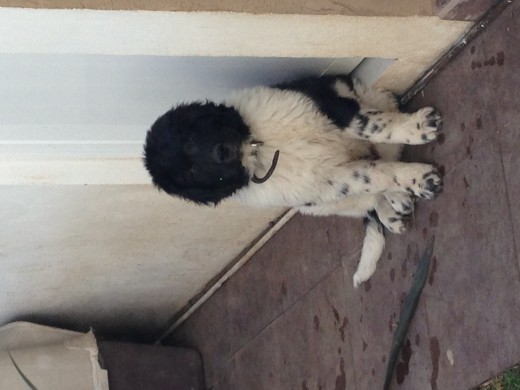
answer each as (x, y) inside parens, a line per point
(388, 206)
(380, 121)
(373, 245)
(351, 206)
(372, 177)
(376, 126)
(389, 152)
(374, 241)
(394, 216)
(373, 98)
(376, 98)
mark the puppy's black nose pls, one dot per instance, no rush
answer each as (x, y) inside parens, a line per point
(224, 153)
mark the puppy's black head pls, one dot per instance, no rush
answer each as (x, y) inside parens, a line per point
(193, 151)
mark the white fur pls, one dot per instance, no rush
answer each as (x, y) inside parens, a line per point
(376, 98)
(373, 245)
(323, 170)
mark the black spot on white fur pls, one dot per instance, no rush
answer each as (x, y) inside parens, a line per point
(376, 129)
(363, 122)
(340, 110)
(361, 176)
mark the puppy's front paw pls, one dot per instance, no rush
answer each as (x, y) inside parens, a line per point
(422, 180)
(431, 185)
(428, 123)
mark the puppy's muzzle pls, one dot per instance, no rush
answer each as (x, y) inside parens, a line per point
(224, 153)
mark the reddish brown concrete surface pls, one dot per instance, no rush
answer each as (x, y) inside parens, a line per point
(290, 318)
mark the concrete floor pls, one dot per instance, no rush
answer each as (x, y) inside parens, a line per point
(290, 318)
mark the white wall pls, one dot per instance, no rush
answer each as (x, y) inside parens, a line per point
(113, 256)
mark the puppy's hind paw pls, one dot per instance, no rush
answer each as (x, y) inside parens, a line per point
(401, 202)
(393, 220)
(396, 224)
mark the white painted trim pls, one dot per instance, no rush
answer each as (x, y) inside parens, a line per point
(243, 260)
(216, 33)
(42, 150)
(98, 171)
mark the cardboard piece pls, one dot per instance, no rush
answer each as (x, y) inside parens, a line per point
(35, 356)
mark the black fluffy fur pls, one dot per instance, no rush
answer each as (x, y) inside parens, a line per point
(193, 151)
(339, 110)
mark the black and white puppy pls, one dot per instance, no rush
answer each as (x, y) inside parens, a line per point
(325, 145)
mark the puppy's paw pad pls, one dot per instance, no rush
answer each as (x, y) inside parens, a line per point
(431, 185)
(434, 119)
(429, 123)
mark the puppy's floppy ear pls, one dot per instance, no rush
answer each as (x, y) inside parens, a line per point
(158, 157)
(162, 152)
